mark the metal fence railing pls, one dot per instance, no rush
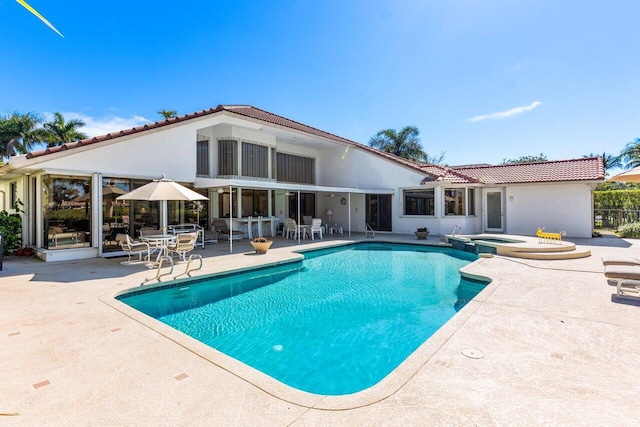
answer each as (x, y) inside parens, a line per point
(611, 219)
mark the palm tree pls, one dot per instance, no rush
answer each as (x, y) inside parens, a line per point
(405, 143)
(630, 155)
(168, 114)
(59, 132)
(19, 132)
(609, 161)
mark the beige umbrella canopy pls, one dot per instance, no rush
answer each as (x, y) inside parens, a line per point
(163, 189)
(632, 175)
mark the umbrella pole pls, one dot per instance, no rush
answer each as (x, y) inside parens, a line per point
(164, 216)
(230, 220)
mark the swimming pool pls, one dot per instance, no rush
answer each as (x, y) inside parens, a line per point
(335, 323)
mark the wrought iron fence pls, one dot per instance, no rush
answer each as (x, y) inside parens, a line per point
(611, 219)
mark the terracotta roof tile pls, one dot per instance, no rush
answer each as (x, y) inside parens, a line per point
(242, 110)
(584, 169)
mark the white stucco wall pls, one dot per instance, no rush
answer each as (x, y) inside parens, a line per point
(557, 207)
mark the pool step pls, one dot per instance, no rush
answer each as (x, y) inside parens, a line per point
(541, 247)
(569, 254)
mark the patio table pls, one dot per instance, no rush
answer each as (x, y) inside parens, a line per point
(160, 242)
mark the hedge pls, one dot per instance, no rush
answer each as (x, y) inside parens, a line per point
(617, 199)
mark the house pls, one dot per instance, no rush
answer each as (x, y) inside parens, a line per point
(250, 162)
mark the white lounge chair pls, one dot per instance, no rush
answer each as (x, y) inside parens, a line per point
(627, 278)
(620, 260)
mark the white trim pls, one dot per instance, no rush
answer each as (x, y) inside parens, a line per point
(273, 185)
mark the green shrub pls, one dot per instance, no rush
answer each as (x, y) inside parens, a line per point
(11, 229)
(631, 230)
(617, 199)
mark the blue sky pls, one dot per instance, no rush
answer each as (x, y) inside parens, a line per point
(482, 80)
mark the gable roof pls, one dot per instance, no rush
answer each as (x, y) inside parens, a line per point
(246, 111)
(584, 169)
(553, 171)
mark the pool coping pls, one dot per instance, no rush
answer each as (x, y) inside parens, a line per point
(385, 388)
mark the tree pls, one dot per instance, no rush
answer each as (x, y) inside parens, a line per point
(609, 161)
(19, 132)
(168, 114)
(526, 159)
(59, 132)
(630, 155)
(405, 143)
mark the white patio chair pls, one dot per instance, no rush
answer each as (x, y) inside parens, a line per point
(132, 247)
(316, 228)
(183, 244)
(250, 228)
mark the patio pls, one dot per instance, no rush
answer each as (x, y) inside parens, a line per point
(558, 349)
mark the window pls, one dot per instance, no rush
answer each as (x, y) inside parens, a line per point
(255, 161)
(419, 202)
(292, 168)
(227, 157)
(471, 199)
(202, 157)
(255, 203)
(454, 201)
(307, 206)
(13, 194)
(66, 212)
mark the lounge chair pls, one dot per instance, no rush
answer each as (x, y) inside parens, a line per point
(211, 236)
(220, 225)
(627, 278)
(132, 247)
(620, 260)
(184, 243)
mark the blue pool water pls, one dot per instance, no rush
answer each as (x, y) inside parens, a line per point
(336, 323)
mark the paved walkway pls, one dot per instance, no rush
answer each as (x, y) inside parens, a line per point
(558, 349)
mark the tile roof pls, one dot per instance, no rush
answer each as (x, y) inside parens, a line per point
(565, 170)
(584, 169)
(437, 173)
(247, 111)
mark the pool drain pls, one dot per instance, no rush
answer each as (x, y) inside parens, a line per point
(472, 353)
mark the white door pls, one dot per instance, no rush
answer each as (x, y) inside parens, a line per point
(493, 203)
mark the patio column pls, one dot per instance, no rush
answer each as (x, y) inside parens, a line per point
(349, 211)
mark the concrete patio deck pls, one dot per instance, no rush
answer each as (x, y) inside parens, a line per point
(558, 349)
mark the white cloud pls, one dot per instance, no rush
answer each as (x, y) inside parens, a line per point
(103, 125)
(505, 114)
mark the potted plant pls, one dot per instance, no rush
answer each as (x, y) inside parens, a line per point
(422, 233)
(27, 252)
(261, 244)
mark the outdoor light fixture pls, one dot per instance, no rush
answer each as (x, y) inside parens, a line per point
(220, 190)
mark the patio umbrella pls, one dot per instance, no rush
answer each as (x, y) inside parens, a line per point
(163, 189)
(632, 175)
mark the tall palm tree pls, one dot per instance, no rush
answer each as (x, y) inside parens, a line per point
(19, 132)
(609, 161)
(630, 155)
(405, 143)
(59, 132)
(168, 114)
